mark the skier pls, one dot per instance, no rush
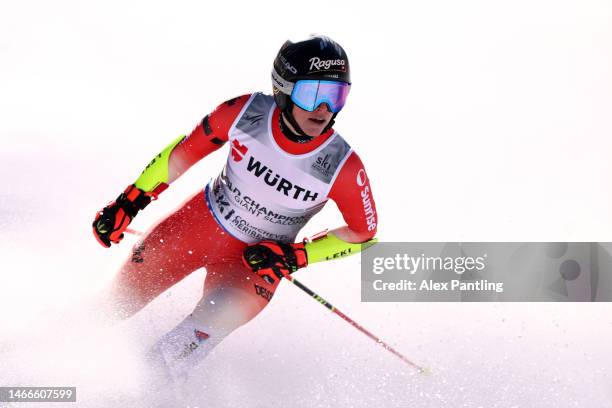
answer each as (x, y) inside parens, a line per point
(285, 162)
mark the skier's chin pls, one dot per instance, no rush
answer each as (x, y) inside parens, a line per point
(314, 127)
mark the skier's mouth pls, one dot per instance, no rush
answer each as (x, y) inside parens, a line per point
(317, 121)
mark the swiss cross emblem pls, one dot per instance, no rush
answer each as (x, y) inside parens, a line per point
(238, 150)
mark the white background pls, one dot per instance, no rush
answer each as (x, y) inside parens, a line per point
(476, 120)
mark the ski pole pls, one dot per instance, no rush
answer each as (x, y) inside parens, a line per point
(333, 309)
(353, 323)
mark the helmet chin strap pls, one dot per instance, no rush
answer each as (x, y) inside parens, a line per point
(286, 113)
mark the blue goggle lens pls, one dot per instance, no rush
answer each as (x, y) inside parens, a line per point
(309, 94)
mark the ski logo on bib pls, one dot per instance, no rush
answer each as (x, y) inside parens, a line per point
(238, 150)
(280, 183)
(323, 165)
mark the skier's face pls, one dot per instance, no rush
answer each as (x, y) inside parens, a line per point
(312, 123)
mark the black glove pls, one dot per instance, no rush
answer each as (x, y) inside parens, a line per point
(113, 220)
(274, 260)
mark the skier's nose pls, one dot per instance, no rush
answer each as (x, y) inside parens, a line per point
(322, 107)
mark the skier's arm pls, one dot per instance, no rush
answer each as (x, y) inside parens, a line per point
(182, 153)
(352, 194)
(185, 151)
(272, 259)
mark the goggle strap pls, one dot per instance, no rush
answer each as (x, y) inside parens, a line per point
(284, 86)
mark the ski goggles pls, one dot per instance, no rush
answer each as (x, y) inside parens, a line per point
(308, 94)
